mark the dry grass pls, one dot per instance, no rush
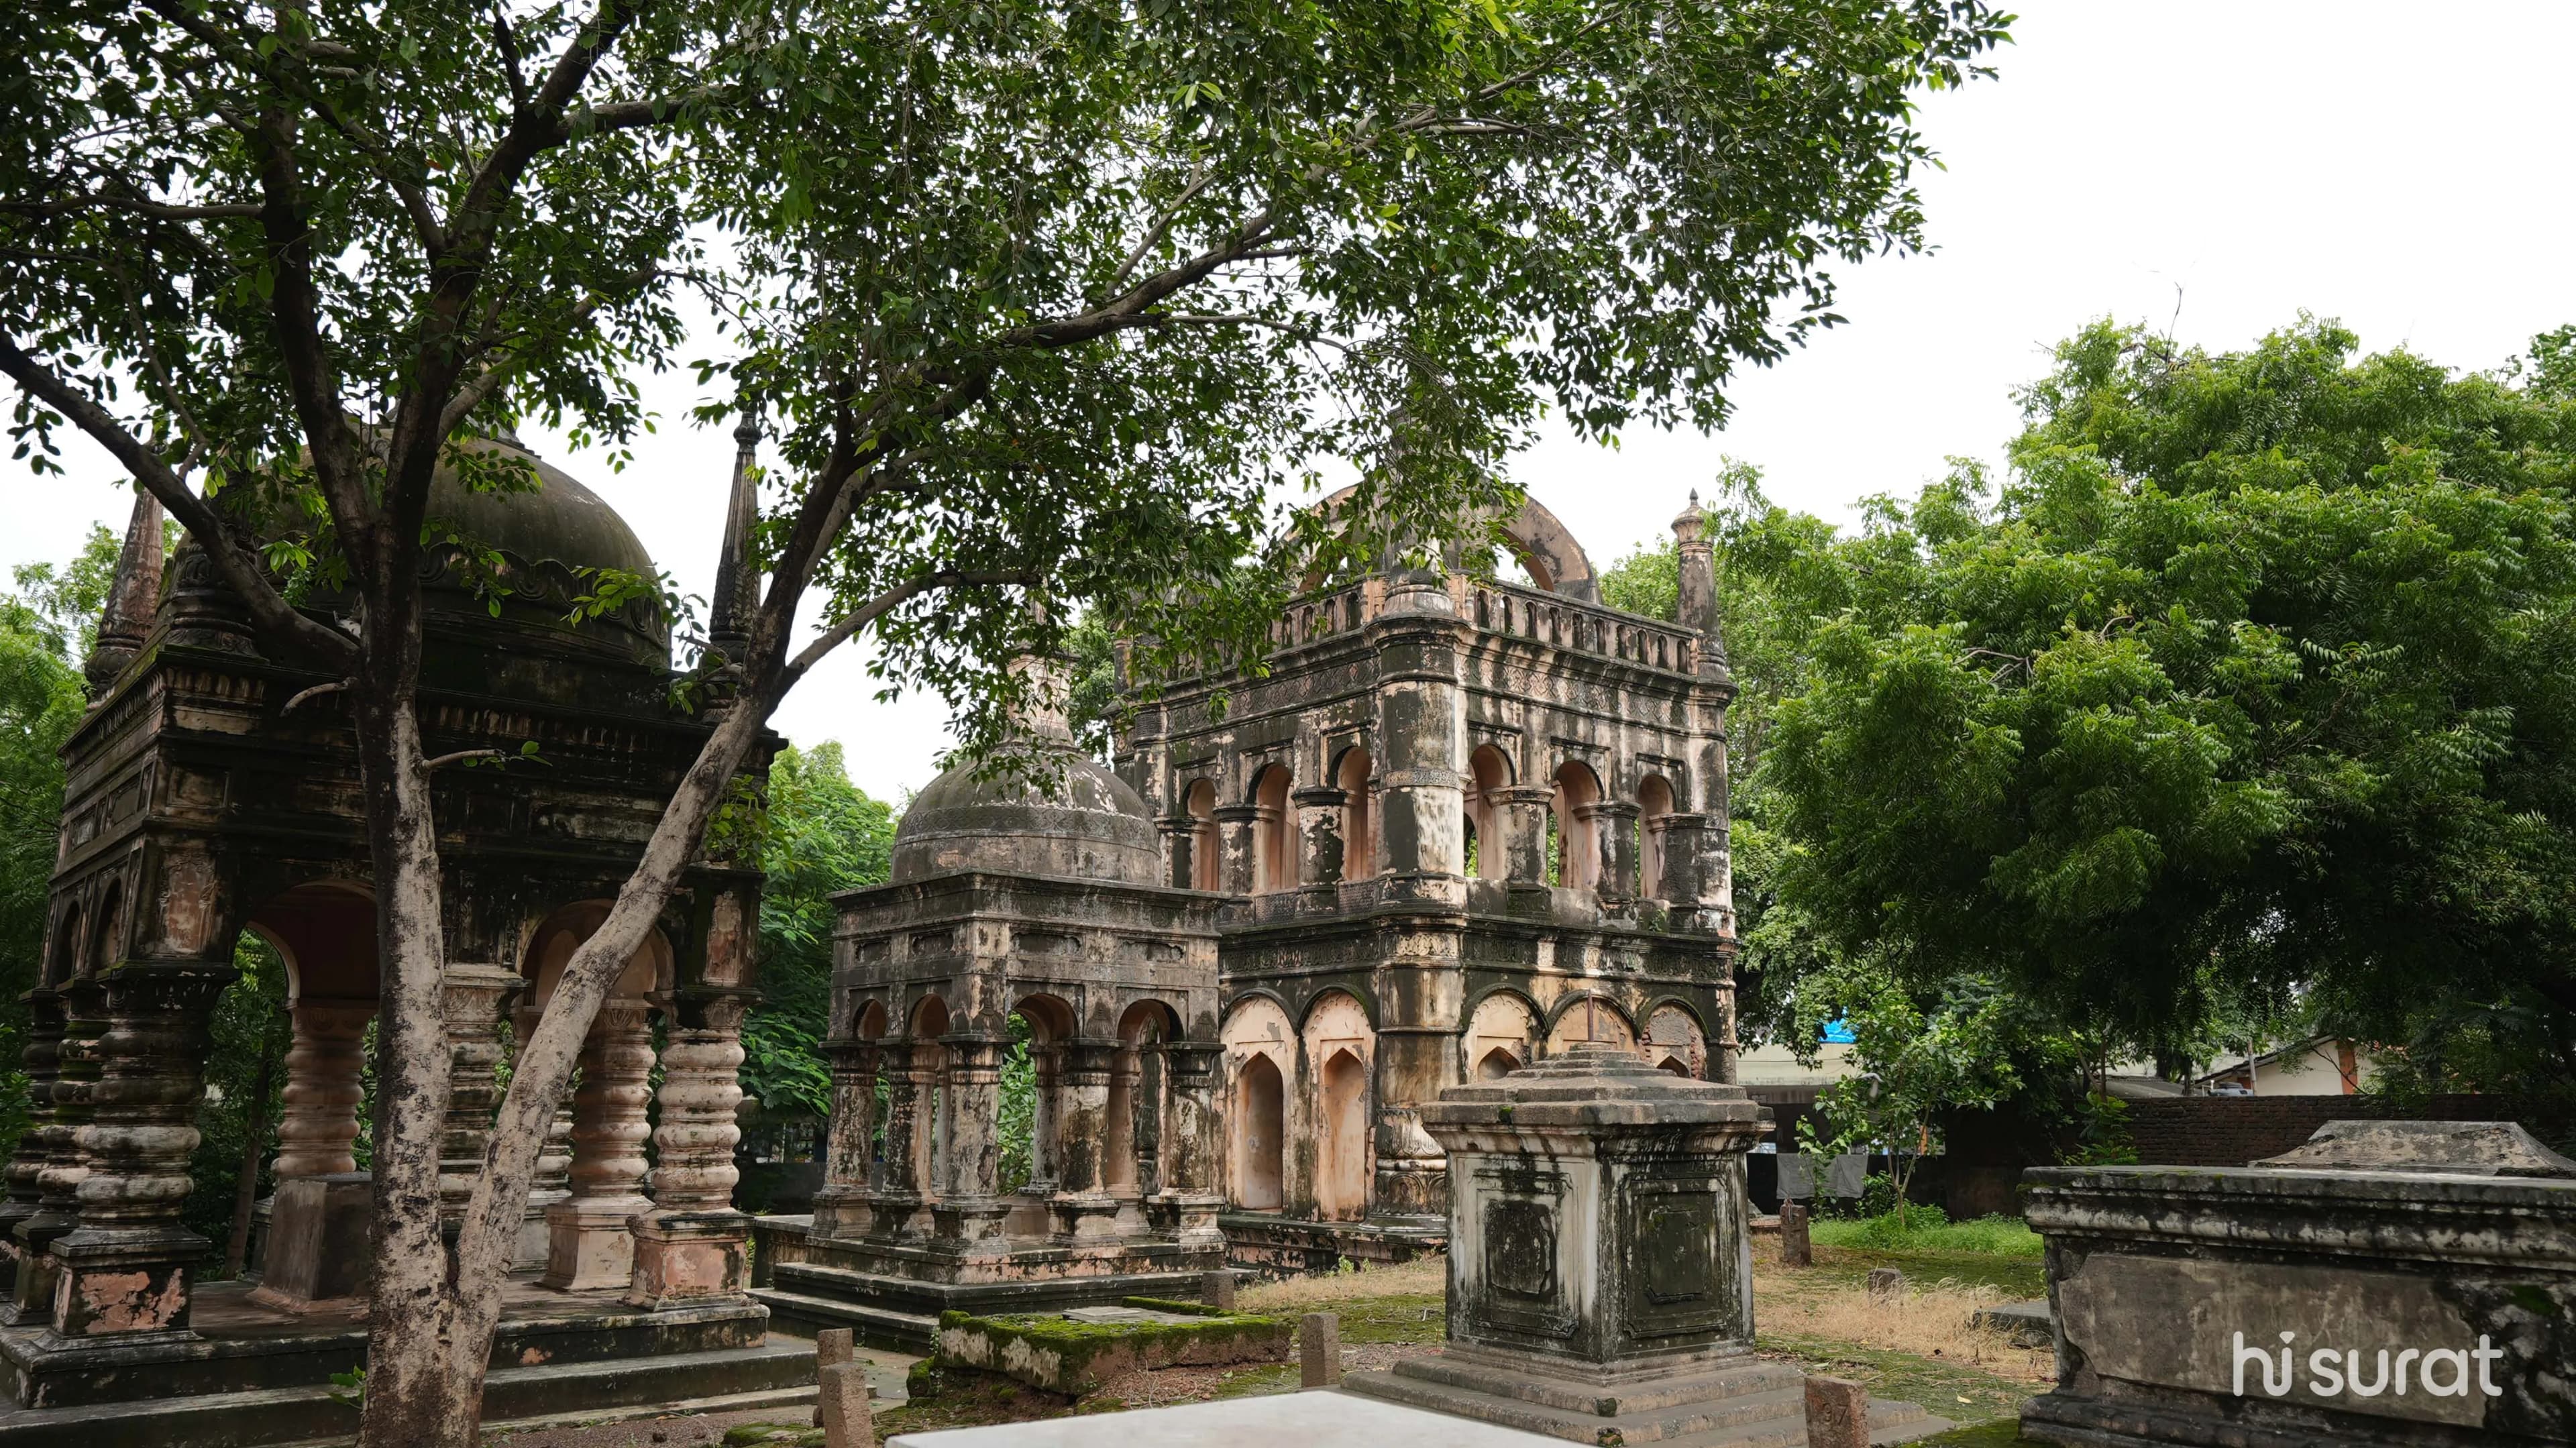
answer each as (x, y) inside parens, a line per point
(1423, 1276)
(1930, 1320)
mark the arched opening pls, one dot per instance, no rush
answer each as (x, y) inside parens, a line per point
(1136, 1098)
(1591, 1021)
(929, 1155)
(1674, 1041)
(1496, 1064)
(1675, 1065)
(1489, 774)
(1274, 837)
(1359, 819)
(1654, 816)
(1341, 1185)
(1201, 804)
(1578, 838)
(1260, 1133)
(1502, 1036)
(63, 962)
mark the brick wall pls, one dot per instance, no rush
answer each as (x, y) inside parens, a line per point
(2234, 1130)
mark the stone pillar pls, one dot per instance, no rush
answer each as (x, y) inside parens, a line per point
(1659, 857)
(316, 1246)
(840, 1208)
(317, 1124)
(1188, 1149)
(590, 1241)
(475, 998)
(971, 1207)
(1422, 727)
(900, 1185)
(1524, 809)
(42, 1061)
(1083, 1206)
(82, 1003)
(1614, 825)
(125, 1268)
(691, 1246)
(1180, 840)
(1235, 824)
(1319, 835)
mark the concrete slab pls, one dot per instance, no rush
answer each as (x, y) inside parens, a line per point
(1110, 1315)
(1279, 1420)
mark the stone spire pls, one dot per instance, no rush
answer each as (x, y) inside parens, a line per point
(1695, 594)
(133, 598)
(737, 591)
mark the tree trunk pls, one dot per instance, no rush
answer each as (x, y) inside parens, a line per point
(254, 1147)
(435, 1314)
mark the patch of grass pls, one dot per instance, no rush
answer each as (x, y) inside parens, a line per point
(1925, 1229)
(1260, 1381)
(1961, 1394)
(2017, 1278)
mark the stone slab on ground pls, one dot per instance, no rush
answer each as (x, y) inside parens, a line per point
(2026, 1323)
(1125, 1314)
(1284, 1420)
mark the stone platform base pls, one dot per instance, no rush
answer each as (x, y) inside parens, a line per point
(249, 1374)
(2093, 1422)
(1274, 1247)
(809, 1283)
(1746, 1404)
(236, 1343)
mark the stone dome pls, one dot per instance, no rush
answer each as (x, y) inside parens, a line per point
(546, 538)
(1084, 823)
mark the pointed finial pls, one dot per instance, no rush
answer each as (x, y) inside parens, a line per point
(133, 598)
(737, 591)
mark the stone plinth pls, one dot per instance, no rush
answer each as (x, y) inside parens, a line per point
(321, 1253)
(2423, 1263)
(1600, 1261)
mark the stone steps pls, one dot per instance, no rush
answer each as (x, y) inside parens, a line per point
(774, 1374)
(872, 1326)
(1772, 1418)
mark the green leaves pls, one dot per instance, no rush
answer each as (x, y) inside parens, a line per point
(2255, 683)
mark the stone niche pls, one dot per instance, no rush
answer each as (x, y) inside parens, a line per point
(2431, 1263)
(1601, 1263)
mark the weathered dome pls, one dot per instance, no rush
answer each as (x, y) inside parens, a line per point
(1083, 823)
(551, 541)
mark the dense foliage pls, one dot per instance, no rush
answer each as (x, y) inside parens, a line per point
(822, 835)
(2245, 704)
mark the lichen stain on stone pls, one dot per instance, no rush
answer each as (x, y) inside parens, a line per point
(125, 1301)
(532, 1356)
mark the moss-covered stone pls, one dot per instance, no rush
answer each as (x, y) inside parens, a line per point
(1064, 1356)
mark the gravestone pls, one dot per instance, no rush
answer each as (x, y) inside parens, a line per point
(1796, 1247)
(1319, 1350)
(2288, 1301)
(1601, 1262)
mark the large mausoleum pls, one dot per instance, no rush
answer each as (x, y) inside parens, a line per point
(214, 791)
(1458, 826)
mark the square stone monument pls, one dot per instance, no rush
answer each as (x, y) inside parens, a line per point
(1601, 1264)
(2387, 1285)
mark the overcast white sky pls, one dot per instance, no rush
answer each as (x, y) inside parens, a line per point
(2403, 168)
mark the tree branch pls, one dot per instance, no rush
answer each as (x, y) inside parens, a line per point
(434, 762)
(268, 608)
(154, 210)
(876, 608)
(1162, 226)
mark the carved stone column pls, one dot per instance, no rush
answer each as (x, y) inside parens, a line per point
(1180, 841)
(475, 998)
(317, 1247)
(1083, 1206)
(840, 1207)
(912, 1073)
(1188, 1147)
(1235, 824)
(549, 1183)
(125, 1268)
(971, 1206)
(691, 1246)
(43, 1062)
(1525, 810)
(1319, 835)
(317, 1124)
(590, 1241)
(83, 1004)
(1614, 825)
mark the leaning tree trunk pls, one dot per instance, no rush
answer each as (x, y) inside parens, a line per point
(436, 1315)
(254, 1148)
